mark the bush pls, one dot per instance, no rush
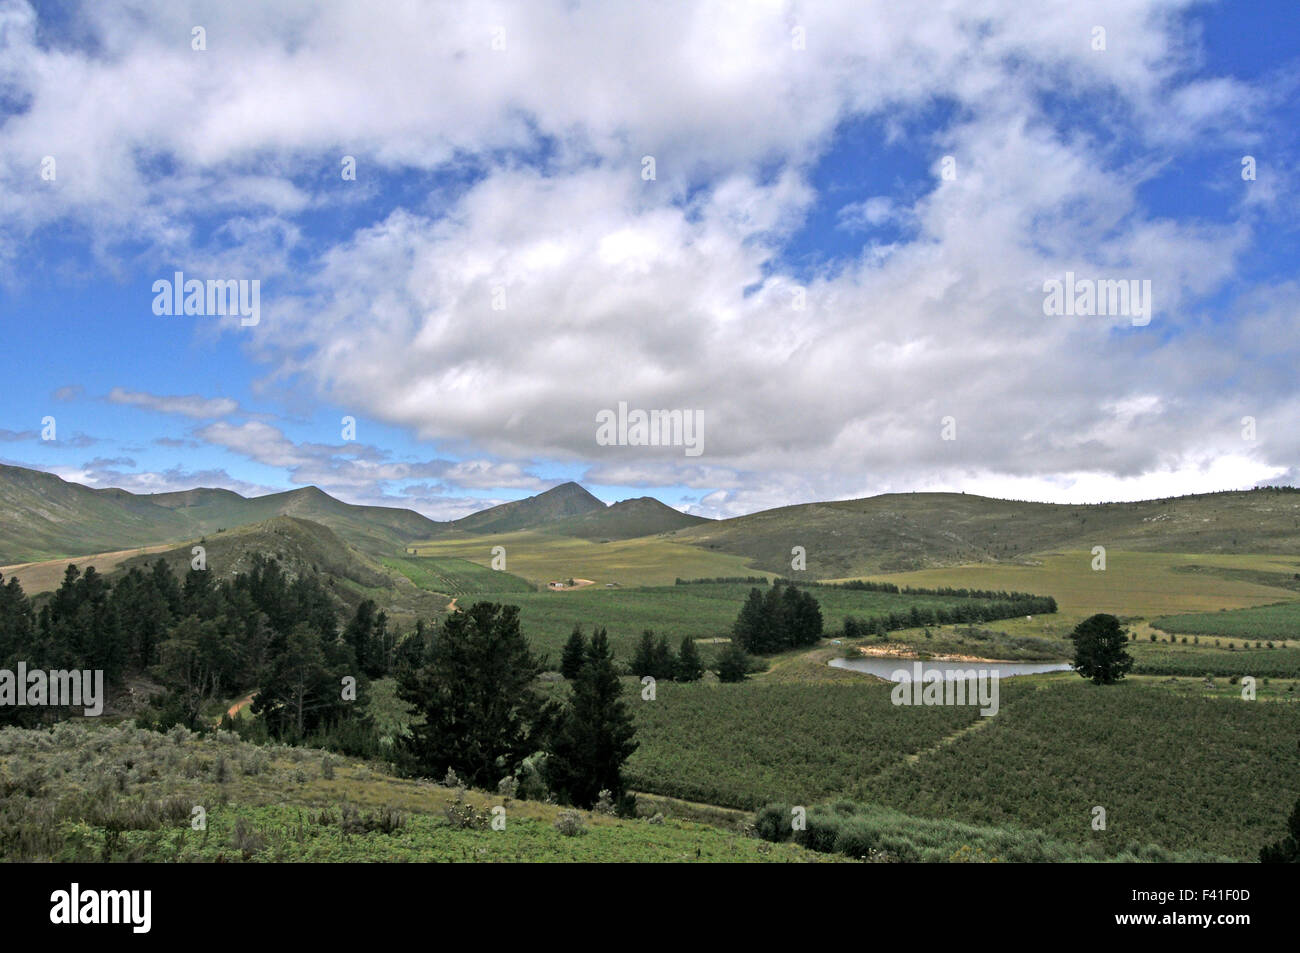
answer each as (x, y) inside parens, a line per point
(464, 816)
(772, 823)
(570, 824)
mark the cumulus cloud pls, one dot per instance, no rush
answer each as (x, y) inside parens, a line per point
(502, 313)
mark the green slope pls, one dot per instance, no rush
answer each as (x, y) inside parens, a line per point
(644, 516)
(561, 502)
(303, 548)
(43, 517)
(905, 531)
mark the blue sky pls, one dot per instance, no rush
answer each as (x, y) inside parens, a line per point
(784, 174)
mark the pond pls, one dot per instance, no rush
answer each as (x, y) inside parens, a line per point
(891, 667)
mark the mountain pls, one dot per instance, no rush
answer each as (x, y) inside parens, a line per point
(301, 547)
(43, 517)
(556, 504)
(643, 516)
(901, 531)
(374, 529)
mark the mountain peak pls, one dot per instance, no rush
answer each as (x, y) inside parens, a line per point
(558, 503)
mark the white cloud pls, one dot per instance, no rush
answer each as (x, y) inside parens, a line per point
(674, 293)
(189, 405)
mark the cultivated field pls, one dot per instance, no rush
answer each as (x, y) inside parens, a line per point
(541, 558)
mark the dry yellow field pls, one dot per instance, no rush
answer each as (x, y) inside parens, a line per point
(46, 575)
(1143, 584)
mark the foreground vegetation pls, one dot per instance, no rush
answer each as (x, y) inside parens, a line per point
(81, 793)
(873, 833)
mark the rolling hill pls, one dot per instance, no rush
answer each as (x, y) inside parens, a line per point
(302, 548)
(44, 517)
(908, 531)
(629, 519)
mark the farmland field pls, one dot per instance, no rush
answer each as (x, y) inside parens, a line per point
(540, 558)
(455, 577)
(700, 611)
(1278, 621)
(1046, 761)
(1207, 659)
(744, 745)
(1134, 583)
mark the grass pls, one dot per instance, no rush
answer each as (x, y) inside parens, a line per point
(453, 576)
(79, 793)
(871, 832)
(1133, 583)
(540, 558)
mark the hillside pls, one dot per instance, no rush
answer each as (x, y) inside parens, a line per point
(905, 531)
(302, 548)
(559, 503)
(43, 516)
(629, 519)
(374, 529)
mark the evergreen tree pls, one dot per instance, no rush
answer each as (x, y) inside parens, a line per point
(733, 663)
(298, 690)
(594, 736)
(664, 660)
(473, 683)
(689, 666)
(748, 628)
(808, 619)
(643, 660)
(574, 654)
(360, 635)
(1099, 652)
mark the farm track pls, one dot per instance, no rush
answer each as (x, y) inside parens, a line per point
(982, 722)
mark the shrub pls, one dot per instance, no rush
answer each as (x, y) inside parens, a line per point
(570, 824)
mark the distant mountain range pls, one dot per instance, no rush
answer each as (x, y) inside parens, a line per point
(45, 517)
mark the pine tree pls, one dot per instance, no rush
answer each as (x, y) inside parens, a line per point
(643, 660)
(733, 663)
(594, 736)
(574, 654)
(473, 683)
(689, 666)
(748, 628)
(360, 632)
(1099, 653)
(665, 661)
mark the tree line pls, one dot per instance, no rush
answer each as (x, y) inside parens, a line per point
(472, 681)
(202, 639)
